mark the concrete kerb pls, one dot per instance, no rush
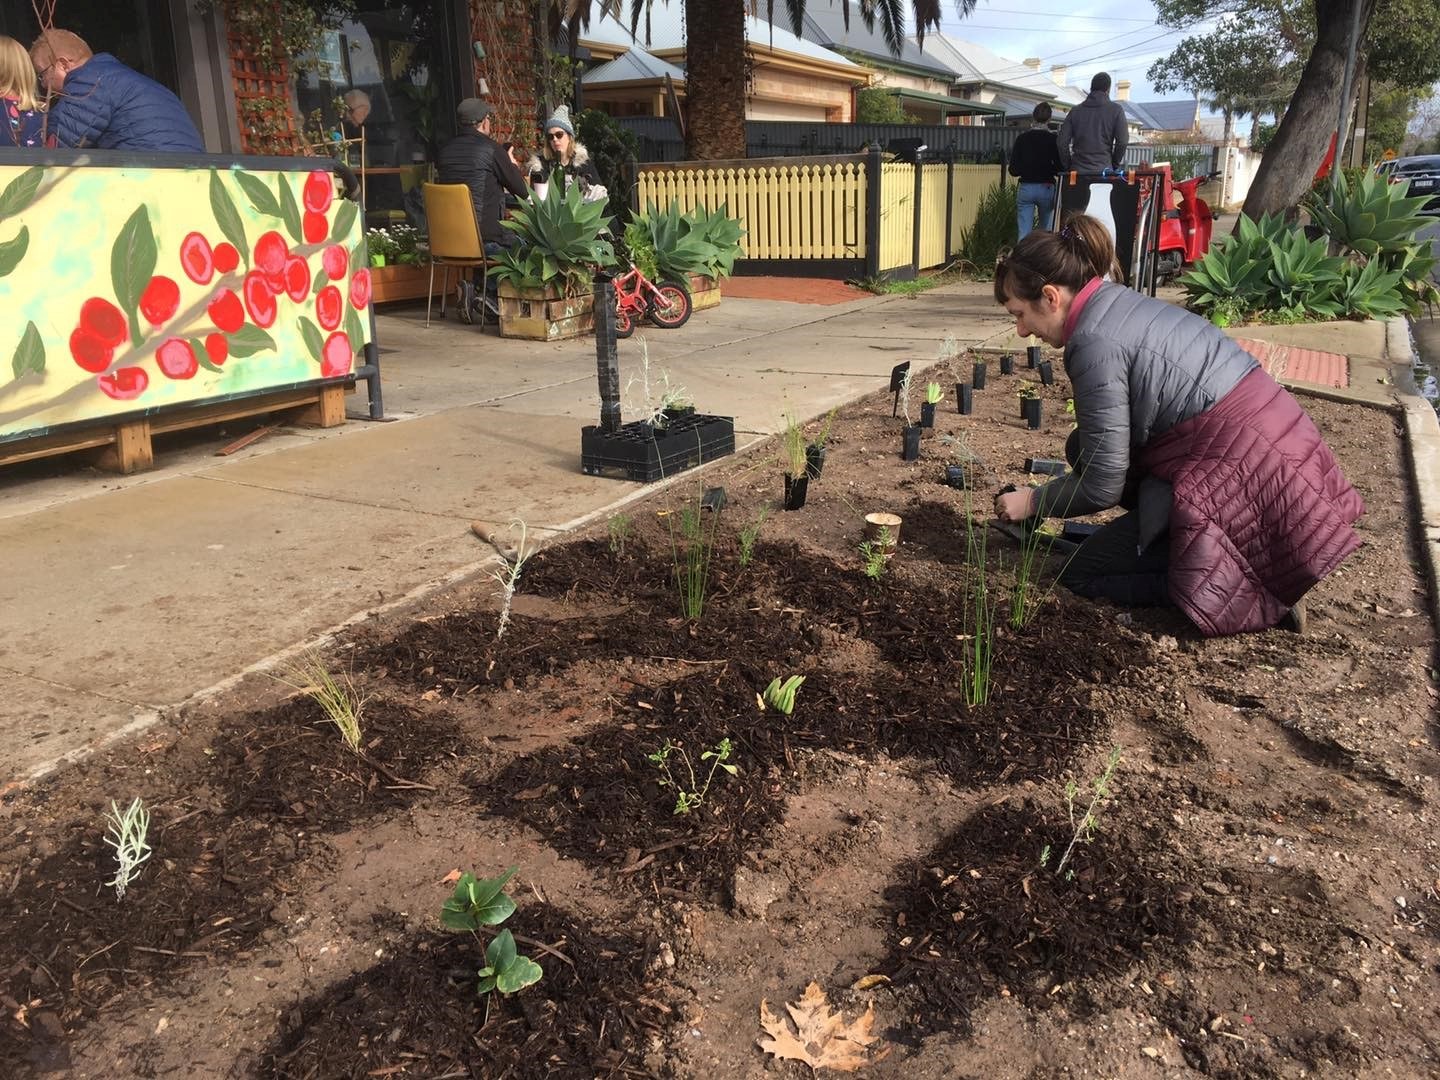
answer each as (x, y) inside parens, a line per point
(1422, 443)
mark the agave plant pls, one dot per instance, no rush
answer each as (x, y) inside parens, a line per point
(723, 233)
(1233, 273)
(1372, 217)
(1303, 275)
(1371, 291)
(679, 250)
(562, 242)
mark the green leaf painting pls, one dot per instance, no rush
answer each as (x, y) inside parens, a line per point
(290, 209)
(249, 340)
(321, 280)
(354, 330)
(132, 263)
(13, 250)
(261, 197)
(29, 354)
(226, 216)
(313, 341)
(202, 356)
(21, 191)
(344, 219)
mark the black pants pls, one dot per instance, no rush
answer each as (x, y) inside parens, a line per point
(1109, 565)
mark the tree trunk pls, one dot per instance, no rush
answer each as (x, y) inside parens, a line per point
(1229, 135)
(1288, 166)
(715, 63)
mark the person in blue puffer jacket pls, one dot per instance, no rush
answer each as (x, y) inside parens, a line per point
(99, 103)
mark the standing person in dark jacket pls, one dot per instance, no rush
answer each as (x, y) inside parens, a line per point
(102, 104)
(1035, 160)
(476, 160)
(1095, 133)
(1237, 507)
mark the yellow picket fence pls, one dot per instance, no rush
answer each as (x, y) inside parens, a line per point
(820, 211)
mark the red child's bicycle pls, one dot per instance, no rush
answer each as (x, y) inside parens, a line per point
(636, 296)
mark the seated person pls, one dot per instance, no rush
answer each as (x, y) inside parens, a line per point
(476, 160)
(101, 103)
(24, 122)
(565, 161)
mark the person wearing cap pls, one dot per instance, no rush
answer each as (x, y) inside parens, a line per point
(563, 159)
(476, 160)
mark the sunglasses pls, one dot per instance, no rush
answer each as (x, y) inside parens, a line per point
(555, 134)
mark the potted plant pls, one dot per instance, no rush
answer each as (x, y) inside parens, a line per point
(722, 233)
(797, 478)
(545, 285)
(815, 451)
(1007, 364)
(1030, 405)
(397, 255)
(1047, 372)
(964, 398)
(910, 435)
(927, 409)
(1032, 355)
(697, 249)
(977, 378)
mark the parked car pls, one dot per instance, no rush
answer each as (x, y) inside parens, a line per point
(1423, 173)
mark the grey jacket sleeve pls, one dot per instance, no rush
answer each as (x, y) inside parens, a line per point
(1099, 373)
(1062, 140)
(1121, 136)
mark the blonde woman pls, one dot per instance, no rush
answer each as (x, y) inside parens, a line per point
(24, 120)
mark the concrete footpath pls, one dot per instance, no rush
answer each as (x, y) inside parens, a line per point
(125, 597)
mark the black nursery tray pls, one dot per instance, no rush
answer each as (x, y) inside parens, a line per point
(641, 452)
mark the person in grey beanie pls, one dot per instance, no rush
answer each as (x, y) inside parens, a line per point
(562, 158)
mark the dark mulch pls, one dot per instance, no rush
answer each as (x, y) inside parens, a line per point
(978, 913)
(417, 1014)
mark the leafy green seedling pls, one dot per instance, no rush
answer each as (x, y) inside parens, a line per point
(505, 969)
(780, 696)
(478, 902)
(688, 797)
(622, 527)
(932, 393)
(873, 552)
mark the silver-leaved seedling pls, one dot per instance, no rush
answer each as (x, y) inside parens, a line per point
(126, 833)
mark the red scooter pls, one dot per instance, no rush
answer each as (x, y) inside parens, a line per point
(1185, 229)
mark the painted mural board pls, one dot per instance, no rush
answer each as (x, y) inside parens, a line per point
(128, 289)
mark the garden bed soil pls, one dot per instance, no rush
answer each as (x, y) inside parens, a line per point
(1258, 897)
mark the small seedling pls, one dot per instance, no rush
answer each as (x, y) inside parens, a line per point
(126, 833)
(824, 436)
(481, 902)
(905, 397)
(794, 447)
(622, 528)
(780, 696)
(949, 348)
(749, 534)
(507, 574)
(1084, 827)
(932, 393)
(691, 795)
(653, 411)
(873, 552)
(336, 695)
(690, 554)
(1028, 391)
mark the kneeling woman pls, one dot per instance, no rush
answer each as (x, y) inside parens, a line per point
(1237, 506)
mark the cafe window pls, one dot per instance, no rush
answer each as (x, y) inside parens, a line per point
(136, 32)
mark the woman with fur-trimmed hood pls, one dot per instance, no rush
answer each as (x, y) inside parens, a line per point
(564, 158)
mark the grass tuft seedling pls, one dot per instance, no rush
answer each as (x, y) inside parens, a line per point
(793, 447)
(621, 528)
(335, 694)
(978, 612)
(780, 696)
(824, 434)
(690, 553)
(127, 833)
(689, 796)
(477, 903)
(508, 574)
(749, 534)
(1084, 827)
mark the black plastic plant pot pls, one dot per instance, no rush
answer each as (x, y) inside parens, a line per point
(1045, 466)
(795, 488)
(955, 476)
(1032, 355)
(977, 380)
(911, 448)
(1031, 408)
(1007, 364)
(964, 398)
(714, 499)
(1047, 372)
(814, 461)
(927, 414)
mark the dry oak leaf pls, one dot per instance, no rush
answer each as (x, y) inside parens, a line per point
(821, 1039)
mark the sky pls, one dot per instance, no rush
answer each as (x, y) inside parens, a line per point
(1118, 36)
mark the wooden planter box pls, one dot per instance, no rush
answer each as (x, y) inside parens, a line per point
(704, 292)
(542, 315)
(391, 283)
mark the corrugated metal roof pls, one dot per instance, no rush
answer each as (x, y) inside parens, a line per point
(826, 26)
(635, 65)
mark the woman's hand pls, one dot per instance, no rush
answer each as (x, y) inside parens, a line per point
(1013, 506)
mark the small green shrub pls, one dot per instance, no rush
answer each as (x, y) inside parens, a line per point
(993, 231)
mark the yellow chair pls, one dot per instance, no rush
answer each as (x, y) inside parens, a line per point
(454, 239)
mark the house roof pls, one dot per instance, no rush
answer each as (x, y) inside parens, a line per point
(974, 63)
(667, 31)
(634, 65)
(1164, 115)
(958, 106)
(826, 26)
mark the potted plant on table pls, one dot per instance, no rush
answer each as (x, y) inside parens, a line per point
(545, 285)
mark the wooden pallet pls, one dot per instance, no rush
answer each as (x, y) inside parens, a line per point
(127, 447)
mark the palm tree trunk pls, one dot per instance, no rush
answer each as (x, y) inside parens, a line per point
(715, 65)
(1288, 167)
